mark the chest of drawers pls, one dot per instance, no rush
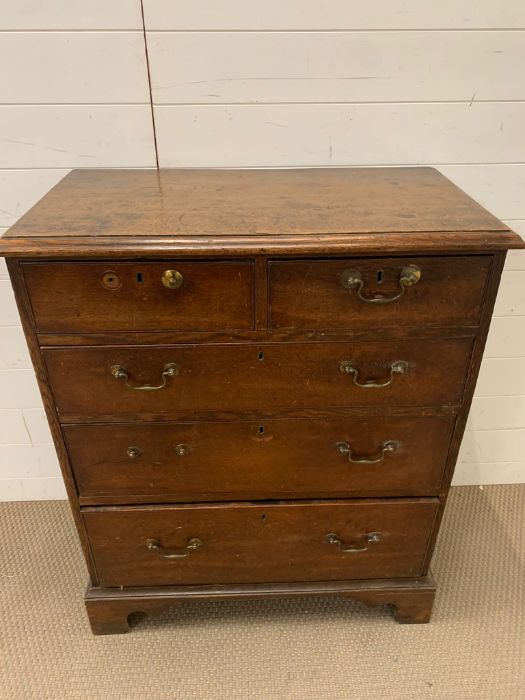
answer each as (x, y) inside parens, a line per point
(257, 381)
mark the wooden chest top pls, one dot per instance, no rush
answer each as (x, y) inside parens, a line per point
(130, 213)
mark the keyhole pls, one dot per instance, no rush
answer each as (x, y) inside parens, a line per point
(261, 430)
(379, 276)
(139, 277)
(260, 355)
(263, 516)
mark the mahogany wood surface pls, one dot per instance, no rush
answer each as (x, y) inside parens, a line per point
(119, 213)
(278, 541)
(315, 200)
(48, 401)
(109, 608)
(257, 397)
(283, 245)
(261, 335)
(253, 377)
(96, 297)
(309, 294)
(217, 461)
(470, 386)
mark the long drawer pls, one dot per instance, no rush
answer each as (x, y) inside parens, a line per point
(377, 292)
(337, 457)
(243, 543)
(158, 380)
(92, 297)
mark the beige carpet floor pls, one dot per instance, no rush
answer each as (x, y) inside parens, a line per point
(311, 648)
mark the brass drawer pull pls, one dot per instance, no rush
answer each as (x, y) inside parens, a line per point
(409, 275)
(155, 546)
(370, 537)
(388, 447)
(170, 370)
(397, 367)
(172, 279)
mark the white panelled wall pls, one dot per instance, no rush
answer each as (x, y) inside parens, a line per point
(260, 84)
(73, 93)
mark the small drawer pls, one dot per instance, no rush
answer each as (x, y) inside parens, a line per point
(337, 457)
(247, 543)
(377, 292)
(149, 296)
(159, 380)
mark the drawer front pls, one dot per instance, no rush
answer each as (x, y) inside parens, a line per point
(243, 543)
(107, 381)
(268, 459)
(377, 293)
(113, 296)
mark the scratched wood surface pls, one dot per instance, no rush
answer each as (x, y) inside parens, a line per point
(126, 212)
(277, 542)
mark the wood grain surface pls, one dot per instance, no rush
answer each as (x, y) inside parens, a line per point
(220, 461)
(112, 296)
(271, 542)
(255, 377)
(310, 294)
(95, 212)
(281, 384)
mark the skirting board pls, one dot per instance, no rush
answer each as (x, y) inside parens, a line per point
(33, 489)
